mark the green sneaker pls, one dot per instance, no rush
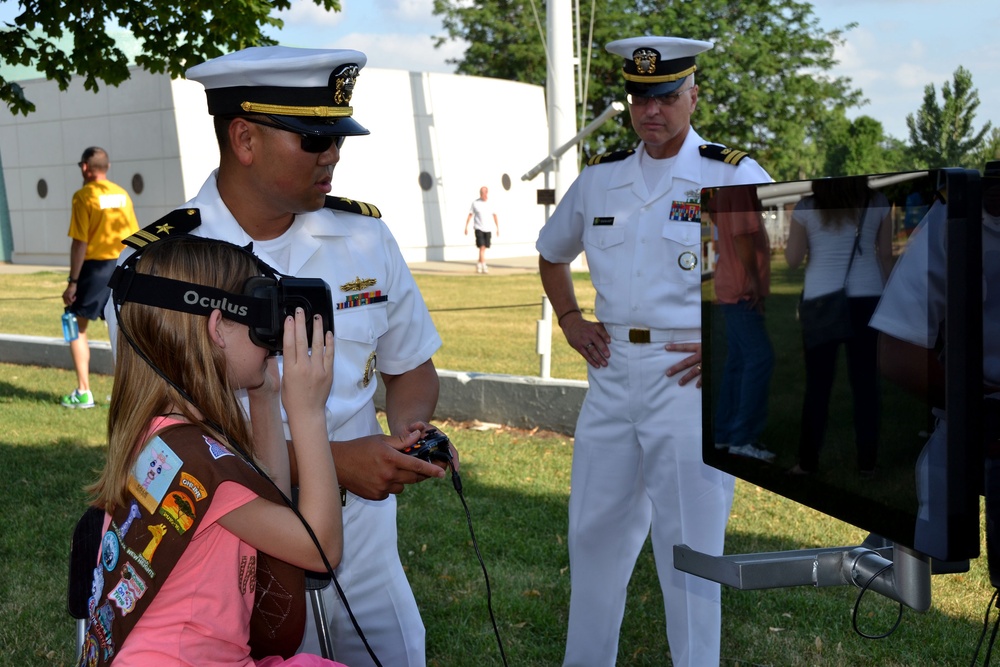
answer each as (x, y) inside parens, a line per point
(78, 399)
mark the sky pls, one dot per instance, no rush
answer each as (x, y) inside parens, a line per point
(898, 47)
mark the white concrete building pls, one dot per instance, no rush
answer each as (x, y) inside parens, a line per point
(435, 140)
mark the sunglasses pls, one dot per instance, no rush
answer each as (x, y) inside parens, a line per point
(310, 143)
(661, 101)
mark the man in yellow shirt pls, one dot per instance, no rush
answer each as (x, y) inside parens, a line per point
(102, 216)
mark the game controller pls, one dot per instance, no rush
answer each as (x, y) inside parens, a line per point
(434, 446)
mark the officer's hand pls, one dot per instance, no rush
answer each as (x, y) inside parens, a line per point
(424, 427)
(590, 339)
(691, 364)
(373, 467)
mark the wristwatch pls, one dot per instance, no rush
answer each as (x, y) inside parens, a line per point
(71, 280)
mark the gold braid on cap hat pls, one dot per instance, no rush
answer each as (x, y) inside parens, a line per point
(284, 110)
(660, 79)
(343, 88)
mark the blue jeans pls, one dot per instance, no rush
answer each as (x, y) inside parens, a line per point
(741, 413)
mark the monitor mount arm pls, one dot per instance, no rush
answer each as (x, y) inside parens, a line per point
(906, 577)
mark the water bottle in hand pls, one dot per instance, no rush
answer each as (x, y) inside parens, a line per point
(71, 329)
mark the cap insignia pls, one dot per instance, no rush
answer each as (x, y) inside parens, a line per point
(345, 79)
(645, 60)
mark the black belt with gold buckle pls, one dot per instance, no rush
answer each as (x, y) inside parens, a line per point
(638, 335)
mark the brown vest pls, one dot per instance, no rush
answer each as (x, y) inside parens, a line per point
(172, 486)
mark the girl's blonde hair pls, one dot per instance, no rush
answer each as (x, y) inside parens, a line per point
(178, 345)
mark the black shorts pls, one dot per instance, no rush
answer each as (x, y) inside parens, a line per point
(483, 238)
(92, 289)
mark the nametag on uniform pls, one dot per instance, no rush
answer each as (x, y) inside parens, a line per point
(603, 221)
(685, 211)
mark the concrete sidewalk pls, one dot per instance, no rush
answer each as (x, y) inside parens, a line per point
(502, 266)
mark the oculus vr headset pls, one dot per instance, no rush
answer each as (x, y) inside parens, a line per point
(263, 305)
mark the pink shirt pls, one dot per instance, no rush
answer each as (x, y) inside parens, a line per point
(201, 615)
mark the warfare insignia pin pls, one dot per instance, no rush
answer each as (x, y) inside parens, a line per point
(358, 284)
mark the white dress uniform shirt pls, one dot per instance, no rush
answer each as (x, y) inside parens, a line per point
(636, 239)
(395, 335)
(637, 453)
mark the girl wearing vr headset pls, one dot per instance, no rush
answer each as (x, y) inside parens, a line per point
(202, 555)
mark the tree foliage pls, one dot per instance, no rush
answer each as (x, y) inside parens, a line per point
(987, 151)
(174, 35)
(860, 147)
(943, 135)
(764, 88)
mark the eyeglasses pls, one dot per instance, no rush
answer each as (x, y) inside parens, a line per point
(667, 100)
(310, 143)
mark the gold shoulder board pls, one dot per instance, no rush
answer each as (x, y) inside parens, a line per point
(179, 221)
(610, 157)
(722, 154)
(352, 206)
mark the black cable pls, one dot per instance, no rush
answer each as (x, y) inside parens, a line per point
(457, 483)
(253, 464)
(982, 635)
(857, 604)
(993, 637)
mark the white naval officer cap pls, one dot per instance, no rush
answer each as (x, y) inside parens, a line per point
(656, 65)
(301, 90)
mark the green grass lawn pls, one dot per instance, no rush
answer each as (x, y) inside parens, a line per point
(516, 484)
(488, 326)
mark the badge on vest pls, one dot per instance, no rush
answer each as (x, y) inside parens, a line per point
(603, 222)
(685, 211)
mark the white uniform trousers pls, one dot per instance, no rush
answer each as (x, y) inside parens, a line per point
(372, 578)
(637, 465)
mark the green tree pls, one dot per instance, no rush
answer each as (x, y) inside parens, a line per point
(942, 135)
(860, 147)
(987, 151)
(764, 88)
(174, 35)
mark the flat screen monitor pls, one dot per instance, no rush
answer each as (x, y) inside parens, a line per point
(867, 433)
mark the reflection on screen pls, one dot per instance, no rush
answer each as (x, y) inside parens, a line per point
(799, 377)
